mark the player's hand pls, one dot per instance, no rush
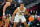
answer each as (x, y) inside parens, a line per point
(4, 16)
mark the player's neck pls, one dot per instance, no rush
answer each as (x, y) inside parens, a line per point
(21, 9)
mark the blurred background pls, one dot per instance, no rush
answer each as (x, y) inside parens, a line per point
(33, 7)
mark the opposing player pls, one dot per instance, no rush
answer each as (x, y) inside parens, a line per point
(1, 23)
(6, 6)
(20, 11)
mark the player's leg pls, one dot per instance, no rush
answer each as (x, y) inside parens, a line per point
(6, 22)
(1, 23)
(15, 23)
(24, 21)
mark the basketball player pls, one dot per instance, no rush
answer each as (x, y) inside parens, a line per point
(6, 6)
(20, 11)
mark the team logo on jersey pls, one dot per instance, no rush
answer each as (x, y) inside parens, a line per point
(21, 13)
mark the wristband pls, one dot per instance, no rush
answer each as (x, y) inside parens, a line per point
(3, 13)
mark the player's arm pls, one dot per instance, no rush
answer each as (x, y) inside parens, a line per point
(5, 6)
(14, 13)
(26, 12)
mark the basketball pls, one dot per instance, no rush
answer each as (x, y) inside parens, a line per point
(31, 18)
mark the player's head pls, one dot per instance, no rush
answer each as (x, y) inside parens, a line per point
(10, 0)
(22, 5)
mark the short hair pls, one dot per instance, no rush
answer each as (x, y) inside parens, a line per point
(22, 4)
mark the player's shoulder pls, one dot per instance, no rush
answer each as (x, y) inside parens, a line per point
(24, 7)
(8, 3)
(17, 7)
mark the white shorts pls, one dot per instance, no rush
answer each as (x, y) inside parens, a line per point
(19, 17)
